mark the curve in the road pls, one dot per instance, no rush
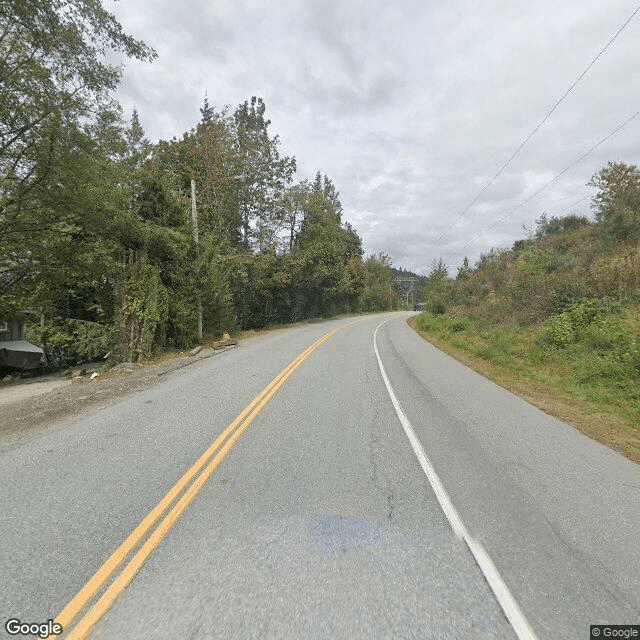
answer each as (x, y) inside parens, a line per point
(490, 571)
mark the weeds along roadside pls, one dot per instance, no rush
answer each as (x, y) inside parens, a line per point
(580, 366)
(556, 317)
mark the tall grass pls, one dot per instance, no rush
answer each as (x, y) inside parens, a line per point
(589, 350)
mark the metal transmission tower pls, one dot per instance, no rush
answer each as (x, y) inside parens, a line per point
(405, 287)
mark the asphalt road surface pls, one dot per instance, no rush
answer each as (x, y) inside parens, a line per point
(372, 491)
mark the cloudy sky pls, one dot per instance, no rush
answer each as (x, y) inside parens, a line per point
(410, 107)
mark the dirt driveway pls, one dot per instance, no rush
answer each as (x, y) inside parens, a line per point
(28, 407)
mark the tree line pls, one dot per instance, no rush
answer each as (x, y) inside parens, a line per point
(562, 261)
(98, 246)
(557, 313)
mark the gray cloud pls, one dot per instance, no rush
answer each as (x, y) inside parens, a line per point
(410, 107)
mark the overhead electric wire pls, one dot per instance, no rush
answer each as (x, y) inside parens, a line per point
(555, 106)
(573, 204)
(573, 164)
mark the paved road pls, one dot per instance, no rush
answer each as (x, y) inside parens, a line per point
(320, 522)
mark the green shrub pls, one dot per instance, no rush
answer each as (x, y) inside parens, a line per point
(438, 306)
(79, 339)
(458, 323)
(603, 349)
(576, 323)
(559, 330)
(430, 322)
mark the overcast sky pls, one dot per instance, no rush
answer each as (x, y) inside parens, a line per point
(410, 107)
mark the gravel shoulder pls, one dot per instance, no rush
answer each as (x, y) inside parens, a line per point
(26, 408)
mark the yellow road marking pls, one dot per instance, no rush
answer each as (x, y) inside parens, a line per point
(88, 591)
(222, 445)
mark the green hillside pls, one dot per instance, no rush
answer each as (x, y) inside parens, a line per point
(557, 316)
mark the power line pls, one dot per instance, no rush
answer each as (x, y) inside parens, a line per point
(573, 164)
(555, 106)
(409, 289)
(557, 213)
(573, 204)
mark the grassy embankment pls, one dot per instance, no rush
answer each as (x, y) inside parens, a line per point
(556, 320)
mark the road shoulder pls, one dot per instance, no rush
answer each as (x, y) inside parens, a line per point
(610, 430)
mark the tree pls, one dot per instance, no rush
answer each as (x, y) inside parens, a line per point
(59, 135)
(213, 164)
(552, 226)
(436, 286)
(53, 76)
(617, 203)
(138, 147)
(296, 204)
(207, 111)
(94, 220)
(264, 175)
(332, 273)
(328, 198)
(60, 256)
(378, 293)
(438, 273)
(464, 270)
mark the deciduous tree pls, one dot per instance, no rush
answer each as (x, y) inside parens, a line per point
(617, 203)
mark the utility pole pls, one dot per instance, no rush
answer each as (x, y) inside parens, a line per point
(194, 218)
(409, 289)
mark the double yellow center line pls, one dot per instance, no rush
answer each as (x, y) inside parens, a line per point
(193, 480)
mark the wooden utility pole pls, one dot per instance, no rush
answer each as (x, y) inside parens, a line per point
(194, 218)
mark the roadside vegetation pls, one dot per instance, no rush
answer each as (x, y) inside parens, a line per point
(99, 251)
(556, 317)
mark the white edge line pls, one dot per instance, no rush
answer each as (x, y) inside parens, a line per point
(506, 600)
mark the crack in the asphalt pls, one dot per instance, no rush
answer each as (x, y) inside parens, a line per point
(196, 628)
(271, 564)
(384, 487)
